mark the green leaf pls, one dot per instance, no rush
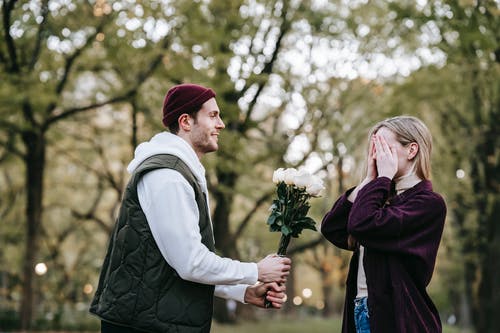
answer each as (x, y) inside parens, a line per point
(305, 220)
(271, 219)
(285, 230)
(281, 191)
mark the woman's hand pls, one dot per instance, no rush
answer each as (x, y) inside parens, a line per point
(386, 158)
(371, 170)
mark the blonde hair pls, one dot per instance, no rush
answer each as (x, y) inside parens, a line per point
(410, 129)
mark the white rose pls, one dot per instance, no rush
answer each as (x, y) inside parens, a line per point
(278, 175)
(303, 179)
(314, 189)
(290, 175)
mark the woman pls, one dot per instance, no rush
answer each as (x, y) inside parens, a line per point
(393, 222)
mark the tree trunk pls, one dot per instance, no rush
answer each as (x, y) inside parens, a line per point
(35, 163)
(224, 241)
(485, 173)
(328, 309)
(488, 294)
(464, 311)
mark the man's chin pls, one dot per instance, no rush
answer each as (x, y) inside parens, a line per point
(212, 148)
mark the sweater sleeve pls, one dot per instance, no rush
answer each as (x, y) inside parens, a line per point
(168, 201)
(235, 292)
(412, 226)
(334, 224)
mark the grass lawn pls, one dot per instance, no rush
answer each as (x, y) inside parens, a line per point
(314, 325)
(266, 325)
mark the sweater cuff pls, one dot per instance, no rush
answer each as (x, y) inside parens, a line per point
(234, 292)
(253, 272)
(239, 292)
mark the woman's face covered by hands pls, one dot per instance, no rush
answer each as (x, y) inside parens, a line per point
(390, 157)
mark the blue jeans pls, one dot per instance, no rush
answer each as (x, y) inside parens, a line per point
(361, 317)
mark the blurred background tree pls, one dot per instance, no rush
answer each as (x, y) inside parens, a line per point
(299, 84)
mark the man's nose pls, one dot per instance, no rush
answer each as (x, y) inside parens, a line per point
(221, 124)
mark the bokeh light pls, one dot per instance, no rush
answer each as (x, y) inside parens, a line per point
(88, 288)
(297, 300)
(40, 268)
(460, 174)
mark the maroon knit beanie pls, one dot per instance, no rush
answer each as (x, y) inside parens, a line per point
(184, 98)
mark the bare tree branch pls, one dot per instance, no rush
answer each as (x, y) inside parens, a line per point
(140, 78)
(71, 59)
(115, 182)
(90, 213)
(73, 111)
(104, 175)
(7, 8)
(10, 197)
(10, 125)
(40, 34)
(28, 113)
(268, 67)
(10, 145)
(243, 224)
(301, 248)
(92, 217)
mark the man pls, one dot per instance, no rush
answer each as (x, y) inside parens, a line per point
(160, 269)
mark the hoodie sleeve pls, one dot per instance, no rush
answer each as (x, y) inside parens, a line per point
(236, 292)
(168, 201)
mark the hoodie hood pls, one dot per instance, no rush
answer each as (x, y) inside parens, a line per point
(168, 143)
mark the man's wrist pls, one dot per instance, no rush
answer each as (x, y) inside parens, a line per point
(249, 295)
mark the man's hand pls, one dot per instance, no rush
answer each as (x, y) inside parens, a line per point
(275, 293)
(274, 268)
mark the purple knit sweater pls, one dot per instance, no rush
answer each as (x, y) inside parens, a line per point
(401, 237)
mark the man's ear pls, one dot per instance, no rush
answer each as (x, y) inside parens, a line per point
(184, 122)
(413, 150)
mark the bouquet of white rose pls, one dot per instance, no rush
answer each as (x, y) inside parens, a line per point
(289, 210)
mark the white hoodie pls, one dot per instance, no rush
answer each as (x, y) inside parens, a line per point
(169, 204)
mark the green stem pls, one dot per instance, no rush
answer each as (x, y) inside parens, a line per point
(284, 241)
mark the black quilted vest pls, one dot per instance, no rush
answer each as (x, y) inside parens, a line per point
(137, 288)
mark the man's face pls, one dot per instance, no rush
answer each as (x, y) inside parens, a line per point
(206, 127)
